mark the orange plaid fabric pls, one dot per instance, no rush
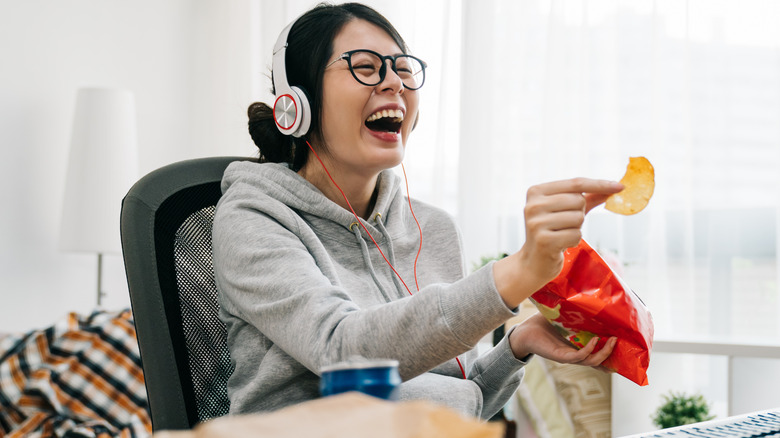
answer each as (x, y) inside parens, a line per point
(80, 377)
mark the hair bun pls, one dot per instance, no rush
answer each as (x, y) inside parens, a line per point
(273, 145)
(259, 111)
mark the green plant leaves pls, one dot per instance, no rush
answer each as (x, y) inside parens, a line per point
(680, 409)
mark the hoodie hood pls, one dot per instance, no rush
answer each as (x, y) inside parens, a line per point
(279, 182)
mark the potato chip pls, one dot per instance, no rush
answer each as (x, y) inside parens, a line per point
(639, 182)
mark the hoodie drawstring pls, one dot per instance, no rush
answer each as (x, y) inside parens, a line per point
(390, 253)
(355, 228)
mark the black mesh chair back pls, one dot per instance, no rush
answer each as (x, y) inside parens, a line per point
(166, 243)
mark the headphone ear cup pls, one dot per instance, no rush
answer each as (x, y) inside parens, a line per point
(304, 111)
(292, 112)
(287, 111)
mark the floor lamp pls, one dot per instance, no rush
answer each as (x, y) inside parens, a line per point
(102, 165)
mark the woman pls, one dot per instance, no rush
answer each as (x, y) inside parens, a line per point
(304, 284)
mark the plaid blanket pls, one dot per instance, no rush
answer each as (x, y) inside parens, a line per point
(80, 377)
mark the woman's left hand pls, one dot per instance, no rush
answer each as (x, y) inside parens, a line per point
(536, 335)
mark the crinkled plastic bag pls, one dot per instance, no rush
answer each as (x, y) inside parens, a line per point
(588, 299)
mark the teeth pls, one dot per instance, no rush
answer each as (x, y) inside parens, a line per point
(397, 114)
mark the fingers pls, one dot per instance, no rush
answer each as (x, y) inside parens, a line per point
(553, 220)
(556, 203)
(554, 215)
(580, 185)
(596, 198)
(573, 198)
(604, 353)
(600, 356)
(592, 191)
(536, 335)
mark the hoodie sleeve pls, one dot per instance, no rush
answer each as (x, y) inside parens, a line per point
(272, 274)
(498, 373)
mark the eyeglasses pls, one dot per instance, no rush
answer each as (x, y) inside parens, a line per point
(369, 67)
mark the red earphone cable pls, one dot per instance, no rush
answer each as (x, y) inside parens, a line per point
(419, 249)
(419, 228)
(357, 218)
(359, 221)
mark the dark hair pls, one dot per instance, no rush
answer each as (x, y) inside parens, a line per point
(309, 47)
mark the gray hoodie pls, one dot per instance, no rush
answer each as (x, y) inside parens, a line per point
(300, 289)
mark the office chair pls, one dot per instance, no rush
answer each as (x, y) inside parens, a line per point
(166, 243)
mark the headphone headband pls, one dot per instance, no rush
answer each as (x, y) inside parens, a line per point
(278, 63)
(292, 112)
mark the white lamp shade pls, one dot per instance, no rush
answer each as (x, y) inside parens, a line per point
(102, 165)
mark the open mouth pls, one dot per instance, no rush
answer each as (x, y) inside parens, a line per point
(385, 121)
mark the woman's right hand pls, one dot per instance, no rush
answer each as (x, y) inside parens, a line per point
(554, 214)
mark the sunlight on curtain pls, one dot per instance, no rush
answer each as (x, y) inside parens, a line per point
(556, 89)
(520, 92)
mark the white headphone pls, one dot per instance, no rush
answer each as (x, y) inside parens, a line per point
(292, 112)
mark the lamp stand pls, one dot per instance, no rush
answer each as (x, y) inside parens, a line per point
(100, 293)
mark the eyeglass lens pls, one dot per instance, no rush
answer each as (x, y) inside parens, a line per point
(367, 67)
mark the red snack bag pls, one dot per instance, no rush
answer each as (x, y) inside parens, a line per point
(588, 299)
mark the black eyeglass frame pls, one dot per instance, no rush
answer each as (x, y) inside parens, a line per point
(347, 56)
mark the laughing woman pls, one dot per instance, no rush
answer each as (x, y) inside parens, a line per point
(318, 254)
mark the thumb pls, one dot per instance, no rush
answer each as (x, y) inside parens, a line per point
(593, 200)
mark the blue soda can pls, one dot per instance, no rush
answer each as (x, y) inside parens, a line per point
(378, 377)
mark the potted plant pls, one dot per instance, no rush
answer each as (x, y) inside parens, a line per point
(679, 409)
(484, 260)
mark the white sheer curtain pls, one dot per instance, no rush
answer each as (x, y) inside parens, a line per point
(554, 89)
(520, 92)
(559, 88)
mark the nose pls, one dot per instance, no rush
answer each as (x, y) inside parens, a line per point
(391, 82)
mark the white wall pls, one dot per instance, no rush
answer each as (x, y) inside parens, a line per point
(188, 64)
(193, 66)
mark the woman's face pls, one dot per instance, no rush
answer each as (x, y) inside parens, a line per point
(347, 105)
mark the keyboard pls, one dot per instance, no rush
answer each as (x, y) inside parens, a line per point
(756, 424)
